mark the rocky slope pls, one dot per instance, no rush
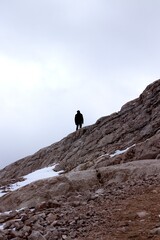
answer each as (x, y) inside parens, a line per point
(135, 127)
(107, 166)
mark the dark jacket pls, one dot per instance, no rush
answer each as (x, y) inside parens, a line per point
(78, 118)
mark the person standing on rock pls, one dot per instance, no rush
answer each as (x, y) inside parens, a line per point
(78, 120)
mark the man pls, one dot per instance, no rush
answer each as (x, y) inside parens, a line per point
(78, 120)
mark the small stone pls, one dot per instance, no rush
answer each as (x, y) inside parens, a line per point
(100, 191)
(26, 229)
(64, 237)
(154, 191)
(24, 217)
(155, 231)
(35, 235)
(76, 203)
(142, 214)
(55, 223)
(51, 217)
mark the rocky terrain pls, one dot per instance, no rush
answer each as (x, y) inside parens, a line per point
(109, 187)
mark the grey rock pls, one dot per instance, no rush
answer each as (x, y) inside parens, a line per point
(36, 235)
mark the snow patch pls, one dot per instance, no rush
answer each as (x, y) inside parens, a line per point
(118, 152)
(40, 174)
(2, 193)
(1, 226)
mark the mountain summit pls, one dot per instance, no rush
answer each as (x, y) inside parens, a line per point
(105, 172)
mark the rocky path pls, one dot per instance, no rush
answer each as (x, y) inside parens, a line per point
(108, 213)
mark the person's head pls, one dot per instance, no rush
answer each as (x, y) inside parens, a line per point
(78, 111)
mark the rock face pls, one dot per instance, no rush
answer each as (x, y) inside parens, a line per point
(106, 162)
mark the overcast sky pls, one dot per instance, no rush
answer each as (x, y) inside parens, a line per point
(60, 56)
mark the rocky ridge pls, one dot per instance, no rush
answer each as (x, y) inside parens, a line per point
(106, 165)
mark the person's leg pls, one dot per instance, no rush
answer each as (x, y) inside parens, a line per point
(80, 125)
(76, 127)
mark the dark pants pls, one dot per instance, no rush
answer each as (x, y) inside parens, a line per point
(78, 125)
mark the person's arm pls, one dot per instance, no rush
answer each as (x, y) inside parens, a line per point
(82, 119)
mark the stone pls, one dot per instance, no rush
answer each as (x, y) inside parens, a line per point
(142, 214)
(26, 229)
(36, 235)
(51, 217)
(155, 231)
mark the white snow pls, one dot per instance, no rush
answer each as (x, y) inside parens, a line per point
(40, 174)
(2, 193)
(7, 212)
(118, 152)
(1, 226)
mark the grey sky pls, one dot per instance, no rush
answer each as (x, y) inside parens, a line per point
(60, 56)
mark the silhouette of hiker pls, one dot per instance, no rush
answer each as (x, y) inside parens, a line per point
(78, 120)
